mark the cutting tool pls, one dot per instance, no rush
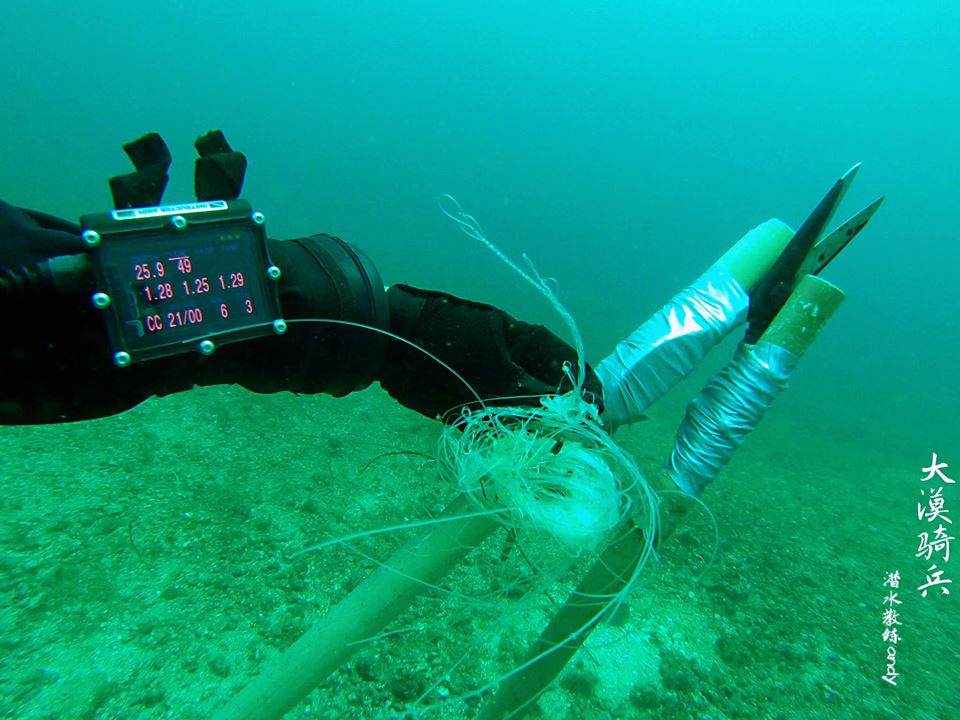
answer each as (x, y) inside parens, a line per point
(806, 254)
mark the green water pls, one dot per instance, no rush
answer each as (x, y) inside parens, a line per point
(143, 569)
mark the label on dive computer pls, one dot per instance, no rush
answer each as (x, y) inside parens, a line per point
(163, 210)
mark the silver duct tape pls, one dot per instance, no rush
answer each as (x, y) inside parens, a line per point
(719, 419)
(663, 351)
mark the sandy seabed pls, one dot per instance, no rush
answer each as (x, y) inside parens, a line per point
(145, 573)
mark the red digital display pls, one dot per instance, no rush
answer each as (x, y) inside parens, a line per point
(171, 287)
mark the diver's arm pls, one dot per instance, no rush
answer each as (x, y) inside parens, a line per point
(56, 357)
(55, 360)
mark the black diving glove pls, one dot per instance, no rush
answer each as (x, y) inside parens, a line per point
(499, 356)
(27, 240)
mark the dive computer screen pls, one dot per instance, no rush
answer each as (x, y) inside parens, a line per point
(184, 288)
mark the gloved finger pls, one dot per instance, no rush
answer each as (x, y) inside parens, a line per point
(30, 237)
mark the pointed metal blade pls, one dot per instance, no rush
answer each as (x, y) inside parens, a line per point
(827, 249)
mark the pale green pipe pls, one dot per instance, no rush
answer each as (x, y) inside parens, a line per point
(752, 256)
(289, 677)
(803, 315)
(568, 629)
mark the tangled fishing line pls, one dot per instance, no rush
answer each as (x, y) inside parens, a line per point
(551, 468)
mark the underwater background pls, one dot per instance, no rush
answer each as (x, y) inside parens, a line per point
(623, 147)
